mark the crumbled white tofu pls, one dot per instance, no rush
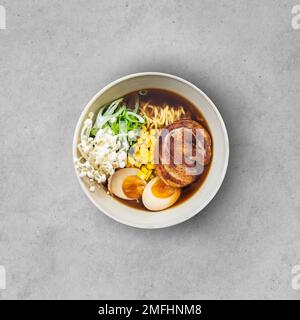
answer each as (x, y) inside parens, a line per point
(131, 134)
(100, 156)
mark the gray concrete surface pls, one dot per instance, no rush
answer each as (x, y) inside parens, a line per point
(55, 55)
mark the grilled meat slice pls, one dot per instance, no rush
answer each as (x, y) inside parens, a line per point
(184, 149)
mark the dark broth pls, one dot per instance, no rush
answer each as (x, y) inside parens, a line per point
(160, 97)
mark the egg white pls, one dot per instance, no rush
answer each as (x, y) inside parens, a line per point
(154, 203)
(115, 182)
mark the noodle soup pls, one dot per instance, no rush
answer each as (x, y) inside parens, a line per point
(122, 149)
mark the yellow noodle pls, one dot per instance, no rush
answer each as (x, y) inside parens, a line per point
(158, 117)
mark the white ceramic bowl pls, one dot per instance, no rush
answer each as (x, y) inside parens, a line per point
(189, 208)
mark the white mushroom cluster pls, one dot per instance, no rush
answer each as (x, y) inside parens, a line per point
(101, 155)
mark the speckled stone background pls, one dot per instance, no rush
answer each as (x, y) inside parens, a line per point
(55, 55)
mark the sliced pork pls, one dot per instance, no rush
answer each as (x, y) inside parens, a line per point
(185, 147)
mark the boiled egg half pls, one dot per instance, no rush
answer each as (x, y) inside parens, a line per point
(158, 196)
(125, 184)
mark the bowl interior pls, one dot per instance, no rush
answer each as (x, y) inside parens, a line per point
(187, 209)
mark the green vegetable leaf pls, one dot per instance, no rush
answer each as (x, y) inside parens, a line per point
(115, 127)
(94, 132)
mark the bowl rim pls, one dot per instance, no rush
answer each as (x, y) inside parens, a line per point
(226, 155)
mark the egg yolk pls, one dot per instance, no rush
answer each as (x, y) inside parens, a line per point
(133, 186)
(162, 190)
